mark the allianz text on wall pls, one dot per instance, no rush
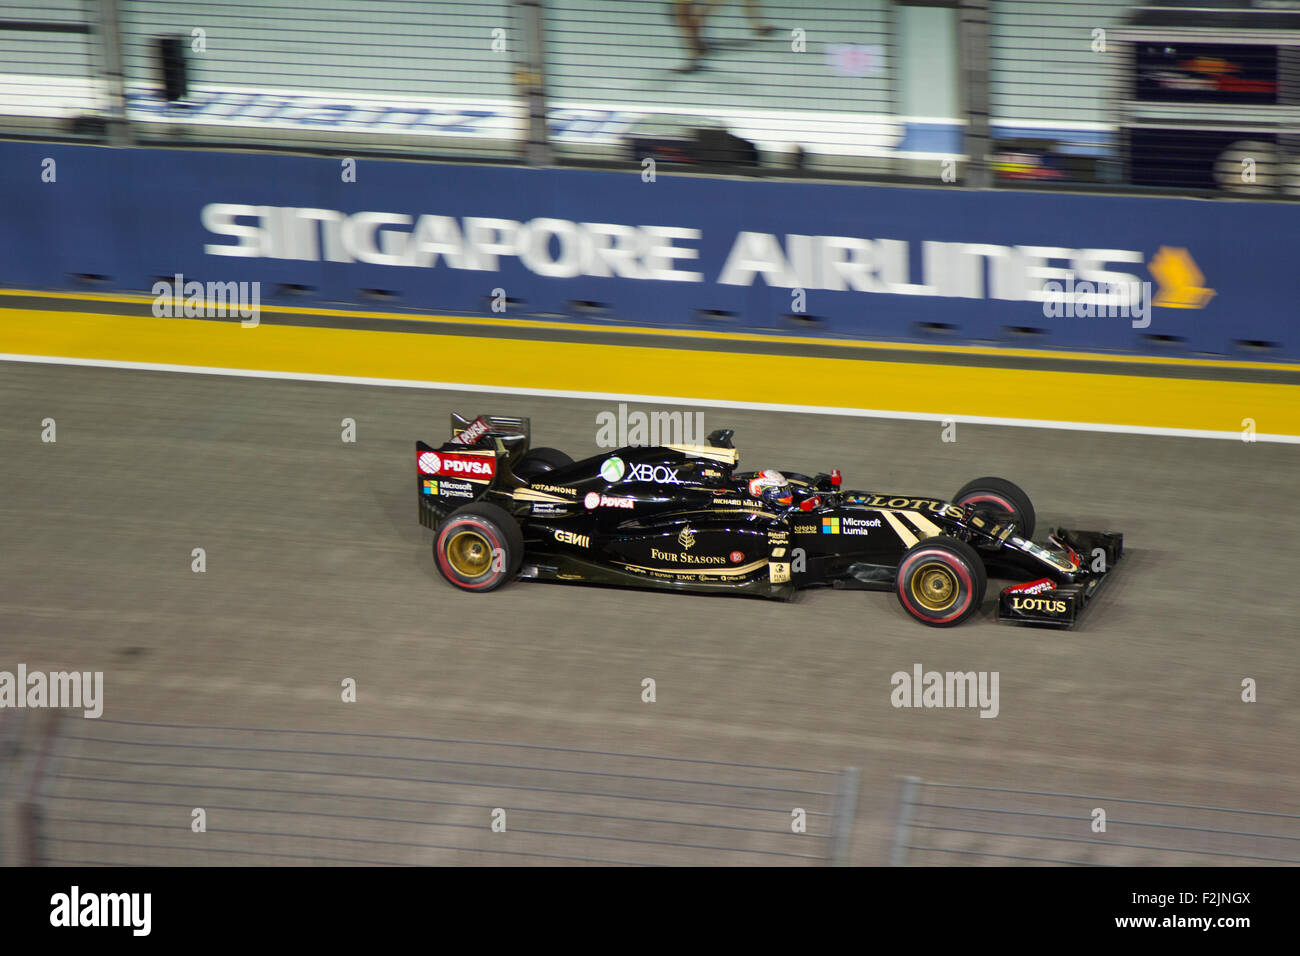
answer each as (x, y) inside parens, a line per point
(896, 263)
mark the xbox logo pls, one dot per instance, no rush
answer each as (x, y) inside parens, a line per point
(613, 469)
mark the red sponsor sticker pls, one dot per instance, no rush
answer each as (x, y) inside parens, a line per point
(473, 432)
(456, 465)
(737, 557)
(594, 500)
(1032, 587)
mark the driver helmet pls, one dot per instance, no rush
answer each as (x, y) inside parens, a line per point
(771, 486)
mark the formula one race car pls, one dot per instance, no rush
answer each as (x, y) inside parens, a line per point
(681, 517)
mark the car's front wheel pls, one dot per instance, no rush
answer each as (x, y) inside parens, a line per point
(479, 547)
(941, 581)
(1001, 502)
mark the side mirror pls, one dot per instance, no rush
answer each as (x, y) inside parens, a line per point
(721, 438)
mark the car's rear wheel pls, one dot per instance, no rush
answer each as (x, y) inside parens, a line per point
(1000, 501)
(538, 461)
(941, 581)
(479, 547)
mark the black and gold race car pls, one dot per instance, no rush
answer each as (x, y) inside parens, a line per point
(682, 517)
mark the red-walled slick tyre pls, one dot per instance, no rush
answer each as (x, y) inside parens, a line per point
(479, 547)
(941, 581)
(999, 501)
(539, 461)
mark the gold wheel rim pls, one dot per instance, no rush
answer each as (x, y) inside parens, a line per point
(469, 553)
(934, 587)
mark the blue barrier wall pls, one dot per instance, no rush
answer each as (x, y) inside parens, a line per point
(917, 264)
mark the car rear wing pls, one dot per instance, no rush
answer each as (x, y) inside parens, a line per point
(515, 433)
(479, 454)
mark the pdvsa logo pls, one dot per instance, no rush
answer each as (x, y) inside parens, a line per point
(473, 432)
(594, 500)
(1034, 587)
(463, 466)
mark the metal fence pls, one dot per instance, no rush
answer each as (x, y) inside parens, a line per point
(412, 76)
(50, 65)
(121, 793)
(1078, 93)
(1053, 79)
(126, 793)
(27, 742)
(805, 85)
(959, 825)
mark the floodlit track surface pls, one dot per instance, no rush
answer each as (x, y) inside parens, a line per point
(317, 571)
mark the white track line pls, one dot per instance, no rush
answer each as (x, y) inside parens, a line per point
(649, 399)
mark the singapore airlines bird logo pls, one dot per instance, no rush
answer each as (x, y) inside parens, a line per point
(1182, 285)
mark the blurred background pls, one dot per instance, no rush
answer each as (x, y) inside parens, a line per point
(827, 225)
(1016, 92)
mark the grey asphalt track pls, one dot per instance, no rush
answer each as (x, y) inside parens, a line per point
(317, 571)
